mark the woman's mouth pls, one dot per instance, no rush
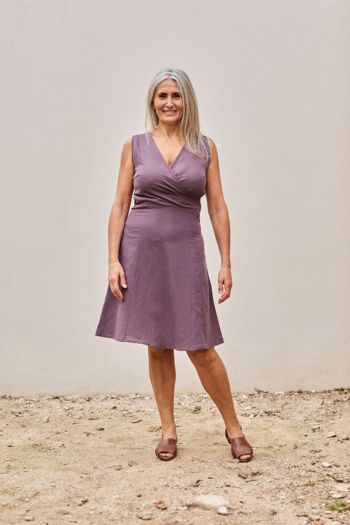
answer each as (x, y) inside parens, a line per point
(169, 112)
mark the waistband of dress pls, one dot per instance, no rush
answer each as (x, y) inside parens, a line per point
(154, 206)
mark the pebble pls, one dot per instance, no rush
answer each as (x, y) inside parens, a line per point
(345, 437)
(145, 516)
(331, 434)
(223, 511)
(211, 501)
(161, 505)
(343, 487)
(28, 518)
(337, 495)
(326, 465)
(46, 419)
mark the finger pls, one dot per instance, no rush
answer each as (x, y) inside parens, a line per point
(227, 287)
(122, 280)
(221, 288)
(115, 291)
(223, 298)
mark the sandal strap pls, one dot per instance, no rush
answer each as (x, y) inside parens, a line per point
(167, 445)
(240, 447)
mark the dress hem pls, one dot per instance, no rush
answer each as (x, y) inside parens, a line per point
(125, 340)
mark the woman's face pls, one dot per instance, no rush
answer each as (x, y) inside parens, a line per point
(168, 102)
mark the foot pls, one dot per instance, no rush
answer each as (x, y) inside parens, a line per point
(234, 432)
(165, 435)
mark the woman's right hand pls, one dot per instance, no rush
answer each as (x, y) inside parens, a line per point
(115, 273)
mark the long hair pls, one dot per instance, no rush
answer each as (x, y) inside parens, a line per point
(189, 125)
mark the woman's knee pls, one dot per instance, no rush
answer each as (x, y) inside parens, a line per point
(205, 357)
(156, 351)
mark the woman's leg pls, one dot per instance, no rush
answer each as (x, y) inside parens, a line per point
(214, 378)
(163, 374)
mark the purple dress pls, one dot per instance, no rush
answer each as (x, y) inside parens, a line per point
(169, 301)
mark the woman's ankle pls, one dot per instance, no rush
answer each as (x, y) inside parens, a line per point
(169, 431)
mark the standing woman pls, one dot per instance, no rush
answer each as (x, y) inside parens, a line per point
(157, 253)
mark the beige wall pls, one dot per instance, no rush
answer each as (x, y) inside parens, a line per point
(272, 79)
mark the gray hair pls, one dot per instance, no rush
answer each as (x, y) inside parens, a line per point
(189, 126)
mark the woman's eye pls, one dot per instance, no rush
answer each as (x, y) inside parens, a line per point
(176, 95)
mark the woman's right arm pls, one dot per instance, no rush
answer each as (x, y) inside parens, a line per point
(119, 213)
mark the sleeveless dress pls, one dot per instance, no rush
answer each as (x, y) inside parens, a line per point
(168, 302)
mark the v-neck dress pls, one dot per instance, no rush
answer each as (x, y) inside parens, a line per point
(168, 302)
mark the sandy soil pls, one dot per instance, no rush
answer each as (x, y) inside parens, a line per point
(90, 460)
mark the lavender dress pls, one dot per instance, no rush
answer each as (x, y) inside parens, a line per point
(168, 302)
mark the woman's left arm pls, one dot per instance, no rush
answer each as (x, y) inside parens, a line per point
(219, 218)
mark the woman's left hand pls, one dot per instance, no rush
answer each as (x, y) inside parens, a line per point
(225, 283)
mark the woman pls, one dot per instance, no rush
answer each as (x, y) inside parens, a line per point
(157, 253)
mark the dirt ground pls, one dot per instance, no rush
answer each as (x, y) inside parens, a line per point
(91, 460)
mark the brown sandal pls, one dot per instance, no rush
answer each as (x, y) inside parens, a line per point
(167, 445)
(240, 447)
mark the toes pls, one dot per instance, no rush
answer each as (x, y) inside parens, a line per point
(165, 454)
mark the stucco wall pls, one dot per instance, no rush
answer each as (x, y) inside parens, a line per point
(272, 80)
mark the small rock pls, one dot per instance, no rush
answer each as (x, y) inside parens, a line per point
(211, 501)
(145, 517)
(223, 511)
(325, 464)
(196, 409)
(119, 467)
(342, 487)
(131, 463)
(81, 502)
(46, 419)
(161, 505)
(331, 434)
(337, 495)
(28, 518)
(197, 482)
(345, 437)
(339, 478)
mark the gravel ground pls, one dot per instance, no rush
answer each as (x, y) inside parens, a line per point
(91, 460)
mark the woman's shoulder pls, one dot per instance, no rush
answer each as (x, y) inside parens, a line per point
(208, 140)
(211, 145)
